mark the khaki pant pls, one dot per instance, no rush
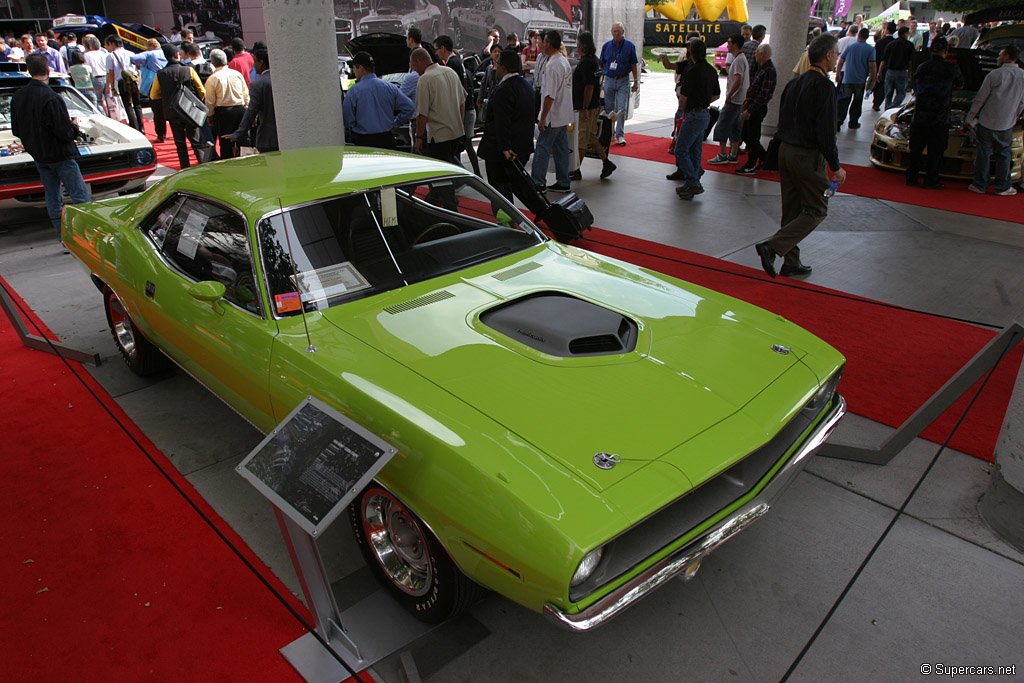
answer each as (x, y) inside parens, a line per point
(804, 177)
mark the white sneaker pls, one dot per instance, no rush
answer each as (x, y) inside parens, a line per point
(974, 188)
(719, 159)
(621, 140)
(1008, 192)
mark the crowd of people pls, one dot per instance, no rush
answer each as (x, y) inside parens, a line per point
(528, 95)
(814, 107)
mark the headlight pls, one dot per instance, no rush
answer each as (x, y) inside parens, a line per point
(145, 157)
(898, 131)
(587, 566)
(824, 394)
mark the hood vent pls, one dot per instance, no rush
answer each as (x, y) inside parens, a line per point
(563, 326)
(515, 271)
(424, 300)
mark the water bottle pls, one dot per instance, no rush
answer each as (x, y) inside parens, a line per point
(831, 189)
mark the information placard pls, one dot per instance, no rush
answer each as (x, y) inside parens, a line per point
(315, 463)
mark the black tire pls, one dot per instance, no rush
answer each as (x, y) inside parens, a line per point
(138, 353)
(457, 30)
(416, 569)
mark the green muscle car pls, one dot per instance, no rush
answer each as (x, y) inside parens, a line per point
(572, 430)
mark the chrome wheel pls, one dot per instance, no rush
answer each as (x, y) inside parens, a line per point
(138, 353)
(398, 543)
(121, 324)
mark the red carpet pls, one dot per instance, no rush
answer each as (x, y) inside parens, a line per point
(896, 358)
(865, 181)
(166, 153)
(108, 573)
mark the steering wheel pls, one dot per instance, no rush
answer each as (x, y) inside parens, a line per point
(451, 228)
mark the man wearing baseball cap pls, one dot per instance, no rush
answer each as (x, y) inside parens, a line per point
(374, 109)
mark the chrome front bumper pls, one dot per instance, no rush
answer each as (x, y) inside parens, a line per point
(645, 582)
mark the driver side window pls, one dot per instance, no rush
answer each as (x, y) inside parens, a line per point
(207, 242)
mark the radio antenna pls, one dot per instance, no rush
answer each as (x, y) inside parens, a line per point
(295, 278)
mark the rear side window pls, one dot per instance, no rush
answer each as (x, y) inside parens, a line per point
(207, 242)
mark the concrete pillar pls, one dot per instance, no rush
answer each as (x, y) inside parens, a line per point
(603, 13)
(1002, 506)
(788, 38)
(304, 64)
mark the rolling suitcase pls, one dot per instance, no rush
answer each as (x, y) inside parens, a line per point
(566, 218)
(605, 126)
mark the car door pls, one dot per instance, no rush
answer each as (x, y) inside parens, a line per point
(225, 343)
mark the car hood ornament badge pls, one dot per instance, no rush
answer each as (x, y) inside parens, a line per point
(780, 349)
(606, 461)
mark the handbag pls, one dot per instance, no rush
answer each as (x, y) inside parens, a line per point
(187, 105)
(116, 109)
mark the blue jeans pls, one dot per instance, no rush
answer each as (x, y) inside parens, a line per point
(895, 84)
(616, 96)
(552, 141)
(689, 145)
(993, 143)
(64, 173)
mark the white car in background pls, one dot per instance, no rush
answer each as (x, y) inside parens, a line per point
(472, 19)
(115, 158)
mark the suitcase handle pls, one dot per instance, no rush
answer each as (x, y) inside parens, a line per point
(518, 165)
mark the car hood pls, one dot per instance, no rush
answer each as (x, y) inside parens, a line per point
(389, 51)
(974, 65)
(536, 17)
(699, 357)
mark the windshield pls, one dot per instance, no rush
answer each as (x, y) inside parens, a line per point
(76, 104)
(350, 247)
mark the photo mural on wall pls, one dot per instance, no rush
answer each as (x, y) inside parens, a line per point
(209, 18)
(466, 21)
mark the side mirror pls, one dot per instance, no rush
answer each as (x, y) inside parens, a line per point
(208, 290)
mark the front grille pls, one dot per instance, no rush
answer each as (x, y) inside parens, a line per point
(104, 163)
(90, 165)
(679, 518)
(20, 174)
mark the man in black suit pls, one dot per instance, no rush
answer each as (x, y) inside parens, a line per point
(261, 104)
(508, 132)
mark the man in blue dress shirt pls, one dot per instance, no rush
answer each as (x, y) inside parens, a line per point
(374, 109)
(618, 60)
(52, 56)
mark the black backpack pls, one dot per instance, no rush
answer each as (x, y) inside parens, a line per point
(203, 70)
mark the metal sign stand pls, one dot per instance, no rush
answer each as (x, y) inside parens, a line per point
(374, 628)
(38, 343)
(938, 403)
(311, 467)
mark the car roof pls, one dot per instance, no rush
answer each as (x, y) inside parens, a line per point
(262, 183)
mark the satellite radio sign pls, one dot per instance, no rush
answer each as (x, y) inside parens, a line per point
(672, 30)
